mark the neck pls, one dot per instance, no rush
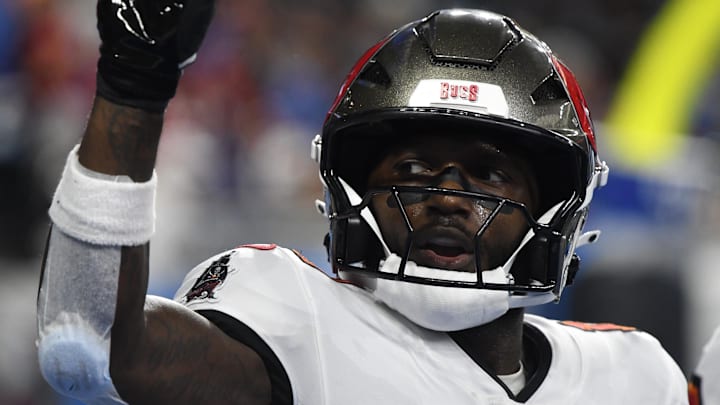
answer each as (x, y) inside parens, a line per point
(497, 346)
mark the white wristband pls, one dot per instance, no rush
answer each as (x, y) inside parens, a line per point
(102, 209)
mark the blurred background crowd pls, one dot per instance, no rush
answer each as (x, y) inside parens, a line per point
(234, 162)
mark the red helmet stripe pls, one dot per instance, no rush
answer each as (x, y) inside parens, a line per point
(578, 100)
(356, 71)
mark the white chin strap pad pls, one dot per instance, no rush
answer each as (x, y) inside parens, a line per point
(454, 308)
(442, 308)
(447, 308)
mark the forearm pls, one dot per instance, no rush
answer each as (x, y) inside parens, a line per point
(96, 268)
(121, 140)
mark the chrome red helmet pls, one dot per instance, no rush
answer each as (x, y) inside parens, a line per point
(471, 71)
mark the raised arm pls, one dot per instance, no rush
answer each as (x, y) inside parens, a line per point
(100, 339)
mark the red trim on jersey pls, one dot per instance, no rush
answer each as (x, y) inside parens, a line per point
(305, 259)
(354, 72)
(259, 246)
(578, 100)
(316, 267)
(598, 327)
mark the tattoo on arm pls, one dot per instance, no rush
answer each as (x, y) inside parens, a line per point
(133, 136)
(121, 140)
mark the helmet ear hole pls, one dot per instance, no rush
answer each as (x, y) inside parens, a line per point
(359, 243)
(531, 262)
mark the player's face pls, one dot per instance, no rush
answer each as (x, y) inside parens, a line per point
(445, 226)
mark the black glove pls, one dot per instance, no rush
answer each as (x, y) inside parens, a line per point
(145, 46)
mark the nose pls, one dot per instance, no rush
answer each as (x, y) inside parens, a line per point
(452, 179)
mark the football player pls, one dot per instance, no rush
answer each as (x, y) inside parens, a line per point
(459, 161)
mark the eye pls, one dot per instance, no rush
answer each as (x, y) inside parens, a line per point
(412, 167)
(491, 175)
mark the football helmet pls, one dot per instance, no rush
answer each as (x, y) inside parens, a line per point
(471, 71)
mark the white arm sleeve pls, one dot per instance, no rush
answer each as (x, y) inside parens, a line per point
(76, 309)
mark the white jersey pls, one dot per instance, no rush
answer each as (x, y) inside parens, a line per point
(338, 345)
(705, 383)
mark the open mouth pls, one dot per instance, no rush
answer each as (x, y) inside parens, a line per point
(446, 251)
(449, 250)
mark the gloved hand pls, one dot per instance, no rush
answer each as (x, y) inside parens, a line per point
(145, 46)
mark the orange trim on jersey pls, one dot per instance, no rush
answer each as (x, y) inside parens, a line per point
(694, 391)
(693, 394)
(598, 327)
(259, 246)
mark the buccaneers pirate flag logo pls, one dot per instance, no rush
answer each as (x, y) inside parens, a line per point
(212, 278)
